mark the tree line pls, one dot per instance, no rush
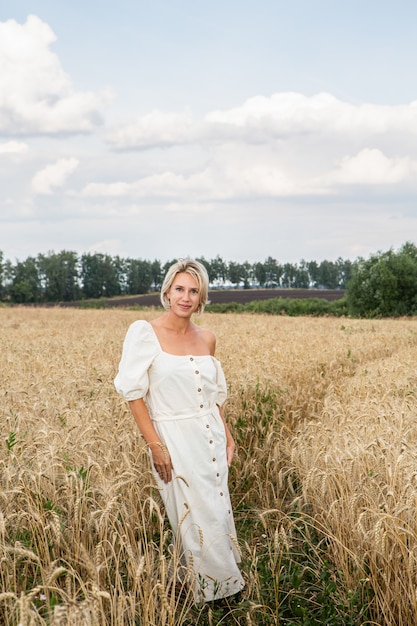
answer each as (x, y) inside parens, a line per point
(383, 285)
(67, 277)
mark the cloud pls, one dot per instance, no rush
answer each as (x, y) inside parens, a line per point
(372, 167)
(165, 185)
(264, 119)
(106, 246)
(225, 178)
(289, 112)
(250, 172)
(53, 175)
(285, 146)
(156, 129)
(13, 147)
(36, 95)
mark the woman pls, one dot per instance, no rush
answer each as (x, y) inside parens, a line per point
(175, 388)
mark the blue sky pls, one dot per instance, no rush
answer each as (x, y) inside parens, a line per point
(171, 128)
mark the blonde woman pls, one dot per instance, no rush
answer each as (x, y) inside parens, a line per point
(175, 388)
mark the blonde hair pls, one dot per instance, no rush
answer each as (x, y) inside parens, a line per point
(194, 269)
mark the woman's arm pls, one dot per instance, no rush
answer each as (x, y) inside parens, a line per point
(160, 454)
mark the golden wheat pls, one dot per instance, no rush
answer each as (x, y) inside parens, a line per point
(324, 414)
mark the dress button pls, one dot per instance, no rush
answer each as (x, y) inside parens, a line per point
(191, 358)
(221, 493)
(197, 372)
(213, 461)
(201, 406)
(199, 389)
(207, 425)
(217, 474)
(211, 441)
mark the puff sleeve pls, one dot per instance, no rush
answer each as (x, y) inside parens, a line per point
(221, 383)
(139, 350)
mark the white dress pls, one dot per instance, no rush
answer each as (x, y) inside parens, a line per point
(182, 394)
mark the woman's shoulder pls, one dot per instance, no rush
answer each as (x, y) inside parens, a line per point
(209, 338)
(141, 330)
(140, 326)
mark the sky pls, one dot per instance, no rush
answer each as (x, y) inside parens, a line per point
(246, 129)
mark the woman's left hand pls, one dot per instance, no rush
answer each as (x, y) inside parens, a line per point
(230, 442)
(230, 450)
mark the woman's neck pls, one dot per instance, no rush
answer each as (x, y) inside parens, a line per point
(175, 323)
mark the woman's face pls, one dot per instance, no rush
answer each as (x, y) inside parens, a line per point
(184, 295)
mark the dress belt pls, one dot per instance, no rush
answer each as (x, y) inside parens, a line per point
(195, 415)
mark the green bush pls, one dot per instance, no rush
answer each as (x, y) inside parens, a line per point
(385, 285)
(285, 306)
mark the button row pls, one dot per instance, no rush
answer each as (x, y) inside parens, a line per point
(214, 460)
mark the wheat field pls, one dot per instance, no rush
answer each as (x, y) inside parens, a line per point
(324, 415)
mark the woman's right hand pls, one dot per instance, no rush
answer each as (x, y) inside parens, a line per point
(161, 461)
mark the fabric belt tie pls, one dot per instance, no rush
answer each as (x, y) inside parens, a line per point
(196, 414)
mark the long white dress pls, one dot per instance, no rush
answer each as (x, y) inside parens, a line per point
(182, 394)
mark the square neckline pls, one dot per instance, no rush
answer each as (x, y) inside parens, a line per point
(180, 356)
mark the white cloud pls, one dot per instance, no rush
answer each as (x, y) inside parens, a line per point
(265, 119)
(156, 129)
(13, 147)
(53, 175)
(106, 246)
(36, 95)
(225, 178)
(372, 167)
(283, 146)
(165, 185)
(288, 112)
(110, 190)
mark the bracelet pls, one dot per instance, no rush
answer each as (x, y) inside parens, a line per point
(160, 445)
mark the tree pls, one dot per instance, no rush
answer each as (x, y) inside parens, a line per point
(260, 273)
(99, 276)
(157, 275)
(328, 275)
(302, 276)
(385, 285)
(236, 273)
(138, 276)
(344, 268)
(274, 272)
(25, 284)
(219, 270)
(289, 273)
(58, 274)
(314, 274)
(8, 274)
(120, 272)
